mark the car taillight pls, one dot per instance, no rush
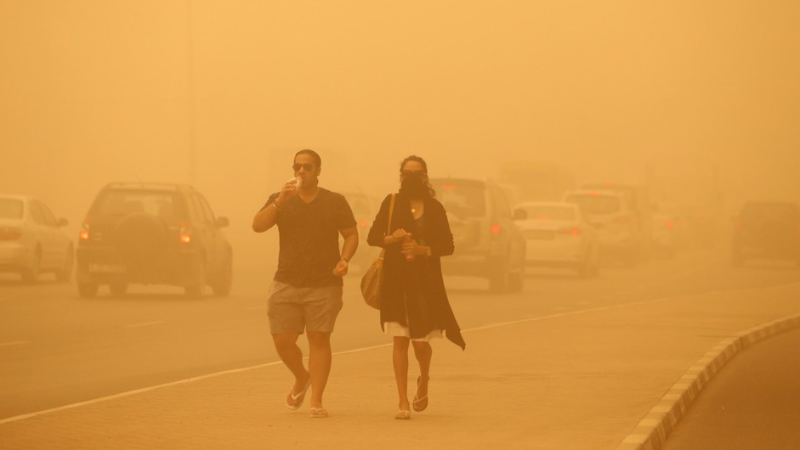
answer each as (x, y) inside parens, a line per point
(10, 233)
(670, 224)
(495, 229)
(363, 224)
(573, 231)
(83, 235)
(185, 236)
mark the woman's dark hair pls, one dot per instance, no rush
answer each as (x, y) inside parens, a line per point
(431, 191)
(313, 154)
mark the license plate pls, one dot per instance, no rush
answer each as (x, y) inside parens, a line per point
(107, 268)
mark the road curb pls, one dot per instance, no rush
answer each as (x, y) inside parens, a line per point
(652, 431)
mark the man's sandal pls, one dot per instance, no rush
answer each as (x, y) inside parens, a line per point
(295, 401)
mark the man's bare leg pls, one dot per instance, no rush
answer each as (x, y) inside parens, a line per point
(292, 356)
(319, 364)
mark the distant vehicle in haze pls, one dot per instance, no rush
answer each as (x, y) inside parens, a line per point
(613, 220)
(536, 180)
(488, 242)
(151, 233)
(767, 230)
(637, 200)
(692, 190)
(557, 235)
(32, 241)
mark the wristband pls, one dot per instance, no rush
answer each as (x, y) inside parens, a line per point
(345, 259)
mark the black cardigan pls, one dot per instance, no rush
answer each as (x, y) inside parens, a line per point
(413, 293)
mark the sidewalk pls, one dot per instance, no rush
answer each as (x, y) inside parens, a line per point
(578, 381)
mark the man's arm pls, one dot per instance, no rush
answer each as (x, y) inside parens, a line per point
(265, 219)
(349, 247)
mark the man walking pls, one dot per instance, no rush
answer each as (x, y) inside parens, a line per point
(306, 292)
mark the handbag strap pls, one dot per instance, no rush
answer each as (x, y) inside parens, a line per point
(389, 222)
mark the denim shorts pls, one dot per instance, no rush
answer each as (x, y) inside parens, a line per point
(291, 309)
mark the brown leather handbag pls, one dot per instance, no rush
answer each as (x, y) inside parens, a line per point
(372, 280)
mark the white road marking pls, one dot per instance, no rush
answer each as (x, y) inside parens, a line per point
(9, 344)
(144, 324)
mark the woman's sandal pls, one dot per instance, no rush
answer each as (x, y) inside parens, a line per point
(420, 403)
(403, 414)
(319, 413)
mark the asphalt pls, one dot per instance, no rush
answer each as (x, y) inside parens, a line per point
(616, 377)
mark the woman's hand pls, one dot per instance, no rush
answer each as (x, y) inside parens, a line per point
(414, 249)
(398, 235)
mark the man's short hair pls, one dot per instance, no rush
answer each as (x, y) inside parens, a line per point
(313, 154)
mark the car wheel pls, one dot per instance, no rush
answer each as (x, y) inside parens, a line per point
(65, 273)
(31, 273)
(516, 282)
(87, 290)
(499, 278)
(118, 289)
(222, 288)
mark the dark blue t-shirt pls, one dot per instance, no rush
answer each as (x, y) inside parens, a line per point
(309, 238)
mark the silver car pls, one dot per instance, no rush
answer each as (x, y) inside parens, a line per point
(32, 240)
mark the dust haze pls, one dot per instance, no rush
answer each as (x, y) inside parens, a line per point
(222, 95)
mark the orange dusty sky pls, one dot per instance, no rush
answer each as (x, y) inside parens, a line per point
(221, 94)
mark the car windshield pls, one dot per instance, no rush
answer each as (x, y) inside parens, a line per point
(595, 204)
(10, 208)
(770, 212)
(120, 203)
(463, 200)
(549, 212)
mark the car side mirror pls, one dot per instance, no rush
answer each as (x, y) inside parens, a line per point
(222, 222)
(520, 214)
(62, 222)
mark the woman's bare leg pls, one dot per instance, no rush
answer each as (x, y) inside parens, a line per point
(400, 363)
(424, 352)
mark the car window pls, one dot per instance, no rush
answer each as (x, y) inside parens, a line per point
(49, 218)
(503, 207)
(121, 203)
(463, 200)
(549, 212)
(37, 213)
(361, 205)
(208, 214)
(11, 208)
(595, 204)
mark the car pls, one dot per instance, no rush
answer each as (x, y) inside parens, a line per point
(488, 243)
(637, 201)
(612, 219)
(32, 240)
(364, 209)
(767, 230)
(152, 233)
(557, 235)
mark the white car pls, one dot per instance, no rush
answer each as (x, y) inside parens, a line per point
(557, 235)
(32, 241)
(616, 224)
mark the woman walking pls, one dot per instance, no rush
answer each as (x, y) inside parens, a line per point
(414, 304)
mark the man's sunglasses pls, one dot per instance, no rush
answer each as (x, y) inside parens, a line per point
(308, 166)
